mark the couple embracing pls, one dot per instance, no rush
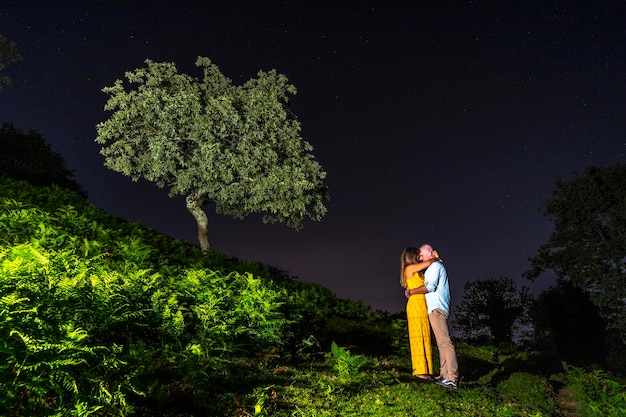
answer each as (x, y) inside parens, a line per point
(425, 280)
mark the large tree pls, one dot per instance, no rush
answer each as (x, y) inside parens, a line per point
(494, 309)
(588, 244)
(27, 156)
(8, 54)
(238, 147)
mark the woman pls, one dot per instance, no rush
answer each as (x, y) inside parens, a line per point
(412, 276)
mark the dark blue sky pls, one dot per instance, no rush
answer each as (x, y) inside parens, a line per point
(440, 124)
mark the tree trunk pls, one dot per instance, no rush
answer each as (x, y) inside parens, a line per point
(194, 205)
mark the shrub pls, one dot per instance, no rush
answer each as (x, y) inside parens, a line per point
(94, 319)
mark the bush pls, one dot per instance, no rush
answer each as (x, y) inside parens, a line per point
(94, 319)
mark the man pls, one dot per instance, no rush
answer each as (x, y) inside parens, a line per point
(437, 290)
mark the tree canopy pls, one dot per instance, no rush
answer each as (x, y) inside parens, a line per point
(27, 156)
(494, 309)
(238, 147)
(588, 244)
(8, 54)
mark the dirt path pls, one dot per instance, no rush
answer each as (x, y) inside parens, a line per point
(566, 403)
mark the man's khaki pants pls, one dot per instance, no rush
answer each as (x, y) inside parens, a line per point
(448, 365)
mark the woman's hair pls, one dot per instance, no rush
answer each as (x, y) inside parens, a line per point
(409, 256)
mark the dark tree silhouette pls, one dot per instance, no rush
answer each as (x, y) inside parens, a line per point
(568, 323)
(494, 309)
(27, 156)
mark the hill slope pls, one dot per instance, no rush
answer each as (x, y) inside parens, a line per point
(103, 317)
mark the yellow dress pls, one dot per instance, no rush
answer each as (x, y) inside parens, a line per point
(419, 329)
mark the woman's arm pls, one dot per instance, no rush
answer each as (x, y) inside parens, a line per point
(409, 270)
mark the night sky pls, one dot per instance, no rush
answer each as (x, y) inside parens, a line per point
(435, 123)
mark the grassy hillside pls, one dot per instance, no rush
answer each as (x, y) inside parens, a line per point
(103, 317)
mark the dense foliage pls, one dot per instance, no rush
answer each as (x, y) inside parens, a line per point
(238, 147)
(588, 244)
(27, 156)
(93, 315)
(99, 317)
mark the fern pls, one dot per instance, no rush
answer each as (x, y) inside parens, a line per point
(96, 313)
(346, 364)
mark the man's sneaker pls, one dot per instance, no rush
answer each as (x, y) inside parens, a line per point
(438, 378)
(448, 383)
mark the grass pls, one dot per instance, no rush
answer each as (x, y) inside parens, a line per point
(384, 387)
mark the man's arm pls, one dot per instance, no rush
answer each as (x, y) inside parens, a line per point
(419, 290)
(431, 279)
